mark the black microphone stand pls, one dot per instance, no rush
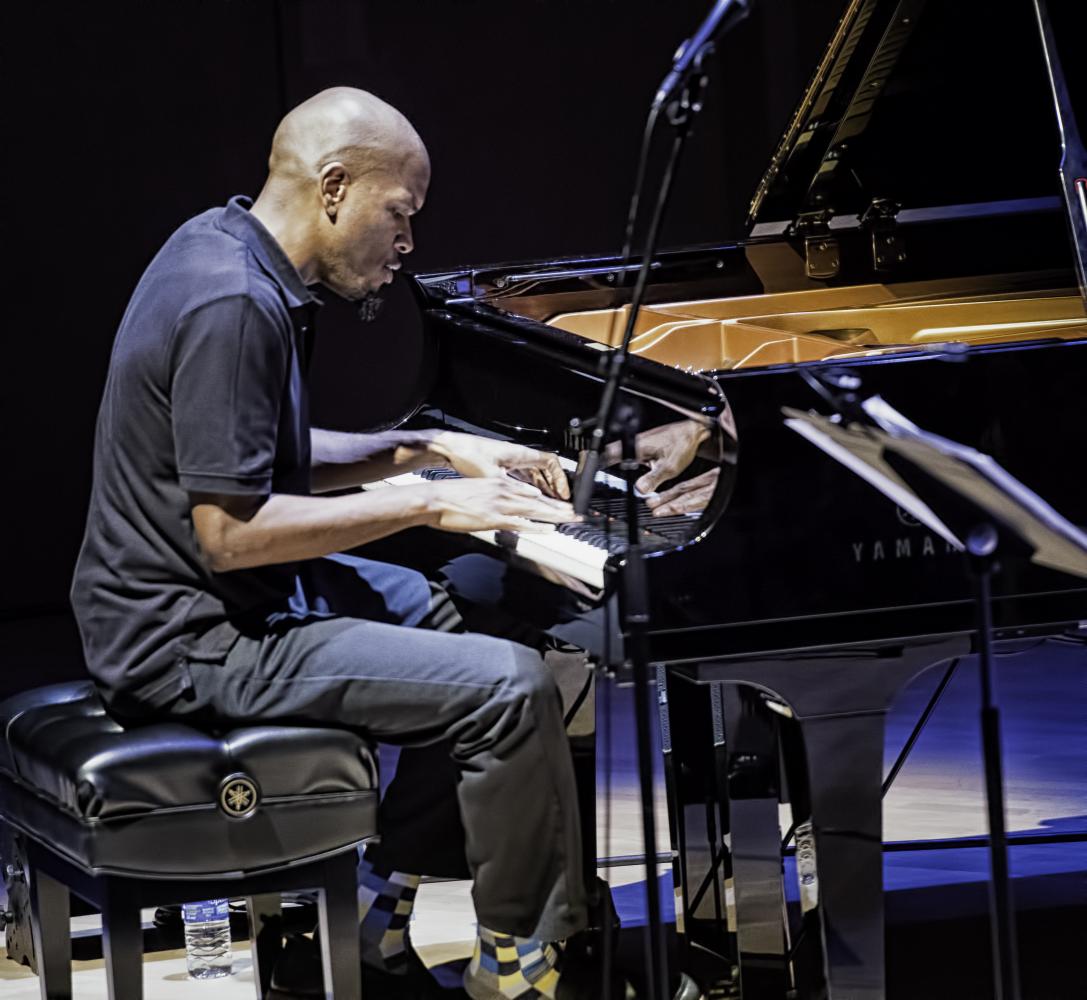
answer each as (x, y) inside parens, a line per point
(981, 546)
(678, 99)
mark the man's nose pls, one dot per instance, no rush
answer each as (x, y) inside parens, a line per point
(404, 242)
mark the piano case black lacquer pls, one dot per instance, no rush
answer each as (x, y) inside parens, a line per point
(916, 229)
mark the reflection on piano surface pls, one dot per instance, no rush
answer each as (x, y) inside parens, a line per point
(901, 235)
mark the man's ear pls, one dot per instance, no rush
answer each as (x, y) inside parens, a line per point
(333, 181)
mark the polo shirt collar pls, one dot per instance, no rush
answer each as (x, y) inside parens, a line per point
(242, 224)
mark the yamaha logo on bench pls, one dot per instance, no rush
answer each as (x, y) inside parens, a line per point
(239, 796)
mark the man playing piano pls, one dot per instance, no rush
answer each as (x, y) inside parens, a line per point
(201, 591)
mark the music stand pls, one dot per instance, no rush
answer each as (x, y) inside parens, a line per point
(982, 510)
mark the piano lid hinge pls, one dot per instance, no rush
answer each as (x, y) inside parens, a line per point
(888, 247)
(822, 255)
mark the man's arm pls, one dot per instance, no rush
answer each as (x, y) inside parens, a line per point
(240, 532)
(342, 460)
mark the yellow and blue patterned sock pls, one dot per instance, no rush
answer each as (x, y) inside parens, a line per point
(504, 967)
(386, 900)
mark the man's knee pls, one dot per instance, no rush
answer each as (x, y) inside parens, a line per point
(528, 678)
(511, 686)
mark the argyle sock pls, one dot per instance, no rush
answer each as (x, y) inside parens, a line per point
(386, 899)
(504, 967)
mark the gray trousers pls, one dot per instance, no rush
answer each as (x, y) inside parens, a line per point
(487, 781)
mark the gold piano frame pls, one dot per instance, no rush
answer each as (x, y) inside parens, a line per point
(847, 322)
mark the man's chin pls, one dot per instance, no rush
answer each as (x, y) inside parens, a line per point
(356, 291)
(360, 293)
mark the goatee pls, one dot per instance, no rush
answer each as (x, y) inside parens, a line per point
(369, 306)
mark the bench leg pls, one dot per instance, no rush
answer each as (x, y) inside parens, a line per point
(266, 937)
(338, 910)
(122, 943)
(50, 915)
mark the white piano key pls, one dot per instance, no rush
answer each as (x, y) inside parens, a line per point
(551, 549)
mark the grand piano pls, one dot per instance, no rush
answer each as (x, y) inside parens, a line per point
(918, 229)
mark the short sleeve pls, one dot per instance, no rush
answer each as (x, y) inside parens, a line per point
(230, 364)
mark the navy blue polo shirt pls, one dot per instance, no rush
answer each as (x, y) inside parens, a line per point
(206, 394)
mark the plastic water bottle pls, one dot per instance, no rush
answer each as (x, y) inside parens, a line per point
(207, 938)
(807, 874)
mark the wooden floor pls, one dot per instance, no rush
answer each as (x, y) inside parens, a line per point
(939, 794)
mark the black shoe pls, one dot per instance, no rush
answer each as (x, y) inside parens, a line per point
(297, 973)
(414, 982)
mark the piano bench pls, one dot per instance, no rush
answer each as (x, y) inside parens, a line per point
(134, 816)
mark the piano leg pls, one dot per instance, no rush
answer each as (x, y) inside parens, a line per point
(845, 757)
(839, 696)
(754, 790)
(692, 739)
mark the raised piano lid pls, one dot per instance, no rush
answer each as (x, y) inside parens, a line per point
(1063, 26)
(917, 113)
(920, 107)
(926, 150)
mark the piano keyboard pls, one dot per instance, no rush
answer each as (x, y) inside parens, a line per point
(579, 549)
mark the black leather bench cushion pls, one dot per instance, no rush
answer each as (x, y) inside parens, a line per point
(145, 799)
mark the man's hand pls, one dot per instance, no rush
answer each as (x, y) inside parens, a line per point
(667, 450)
(505, 504)
(689, 497)
(480, 457)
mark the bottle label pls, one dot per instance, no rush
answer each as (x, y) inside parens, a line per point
(205, 912)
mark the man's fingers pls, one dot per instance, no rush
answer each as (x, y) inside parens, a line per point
(552, 480)
(670, 494)
(648, 483)
(533, 476)
(702, 483)
(689, 503)
(556, 476)
(503, 504)
(526, 526)
(683, 498)
(484, 470)
(532, 515)
(554, 511)
(547, 472)
(659, 472)
(692, 499)
(660, 500)
(520, 487)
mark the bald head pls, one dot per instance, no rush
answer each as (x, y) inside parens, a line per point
(346, 173)
(346, 125)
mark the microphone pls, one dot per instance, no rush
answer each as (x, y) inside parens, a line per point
(691, 51)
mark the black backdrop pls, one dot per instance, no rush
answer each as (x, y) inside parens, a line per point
(126, 118)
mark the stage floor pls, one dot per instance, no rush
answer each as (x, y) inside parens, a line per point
(936, 900)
